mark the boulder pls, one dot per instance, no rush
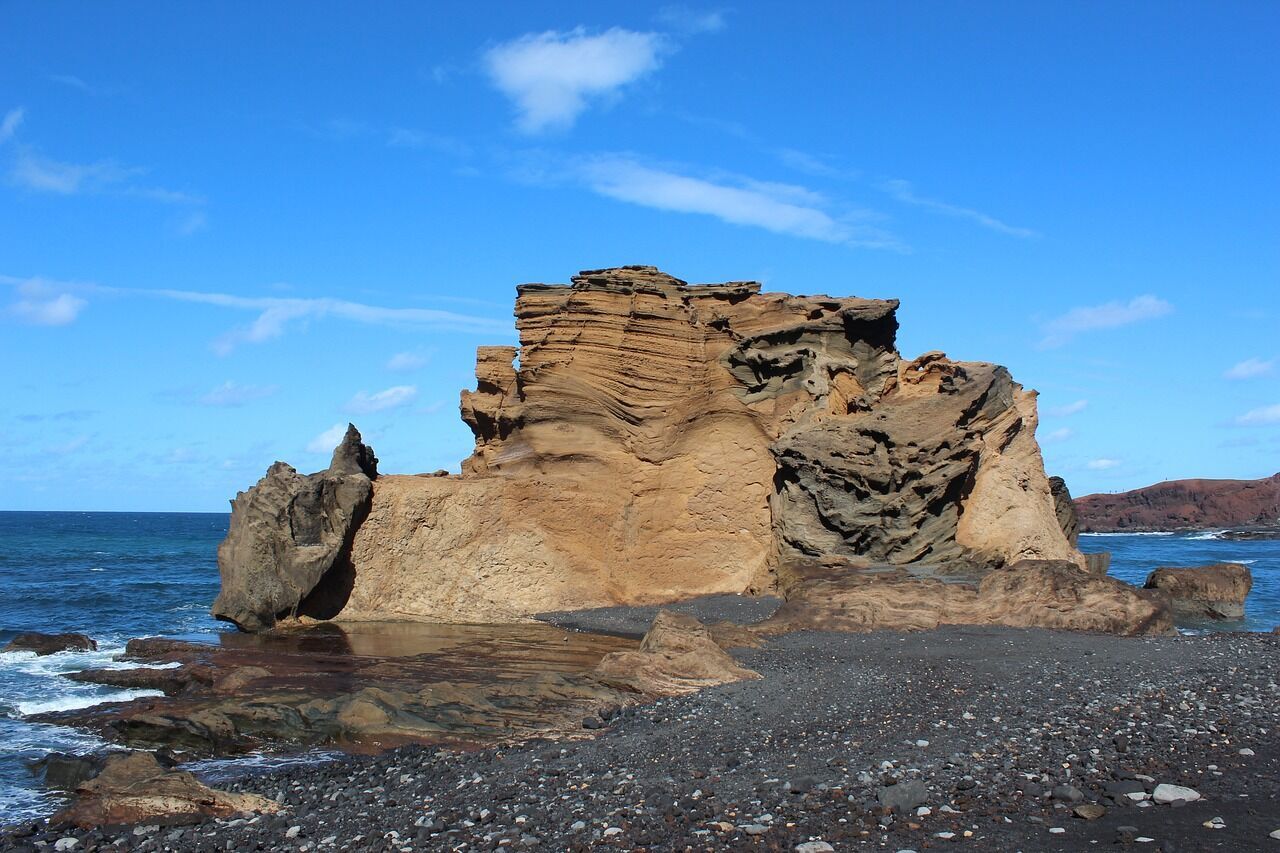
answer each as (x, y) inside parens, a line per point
(134, 788)
(287, 552)
(1216, 591)
(48, 644)
(651, 440)
(678, 655)
(64, 772)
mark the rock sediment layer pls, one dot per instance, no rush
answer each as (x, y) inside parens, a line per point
(651, 440)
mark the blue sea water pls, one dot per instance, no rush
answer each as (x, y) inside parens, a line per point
(115, 576)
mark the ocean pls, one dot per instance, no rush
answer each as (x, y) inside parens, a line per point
(114, 576)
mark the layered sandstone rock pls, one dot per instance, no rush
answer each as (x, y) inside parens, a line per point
(651, 440)
(677, 655)
(290, 532)
(836, 596)
(133, 788)
(1204, 592)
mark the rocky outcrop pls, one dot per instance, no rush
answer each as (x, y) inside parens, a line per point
(1065, 509)
(678, 655)
(288, 549)
(1029, 593)
(48, 644)
(651, 440)
(134, 788)
(1204, 592)
(1184, 504)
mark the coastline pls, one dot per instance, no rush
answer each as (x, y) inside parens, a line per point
(996, 723)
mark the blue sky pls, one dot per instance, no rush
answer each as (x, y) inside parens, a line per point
(226, 230)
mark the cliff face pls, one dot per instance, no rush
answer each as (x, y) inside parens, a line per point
(1179, 504)
(651, 440)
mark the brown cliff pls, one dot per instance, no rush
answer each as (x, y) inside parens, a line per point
(1183, 504)
(651, 440)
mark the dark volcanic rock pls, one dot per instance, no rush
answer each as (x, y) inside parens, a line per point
(1181, 504)
(1204, 592)
(288, 549)
(1066, 509)
(65, 772)
(48, 644)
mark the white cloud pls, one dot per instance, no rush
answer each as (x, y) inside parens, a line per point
(274, 314)
(781, 208)
(553, 76)
(405, 361)
(1061, 434)
(903, 192)
(1110, 315)
(1069, 409)
(1264, 416)
(68, 447)
(44, 303)
(73, 81)
(192, 222)
(1102, 464)
(391, 398)
(326, 441)
(232, 394)
(1250, 368)
(688, 21)
(9, 125)
(45, 175)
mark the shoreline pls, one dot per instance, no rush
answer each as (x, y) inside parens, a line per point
(711, 770)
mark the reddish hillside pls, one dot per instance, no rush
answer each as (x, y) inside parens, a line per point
(1179, 504)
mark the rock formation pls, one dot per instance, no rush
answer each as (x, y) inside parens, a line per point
(291, 532)
(678, 655)
(48, 644)
(1204, 592)
(1028, 593)
(133, 788)
(1065, 509)
(651, 440)
(1184, 504)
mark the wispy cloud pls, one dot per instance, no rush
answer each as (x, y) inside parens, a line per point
(552, 77)
(68, 447)
(1263, 416)
(326, 441)
(41, 302)
(73, 81)
(192, 222)
(811, 164)
(9, 125)
(903, 192)
(231, 394)
(780, 208)
(47, 175)
(687, 21)
(52, 303)
(275, 314)
(1061, 434)
(391, 398)
(1251, 368)
(403, 362)
(1102, 464)
(1110, 315)
(1068, 409)
(65, 415)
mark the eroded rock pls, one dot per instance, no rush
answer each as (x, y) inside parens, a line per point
(134, 788)
(651, 440)
(48, 644)
(678, 655)
(1216, 591)
(288, 550)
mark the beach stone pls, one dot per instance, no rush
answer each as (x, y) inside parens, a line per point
(48, 644)
(904, 796)
(1067, 793)
(814, 847)
(1166, 794)
(67, 843)
(1276, 834)
(1089, 811)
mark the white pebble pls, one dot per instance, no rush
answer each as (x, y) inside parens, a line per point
(1056, 830)
(1246, 751)
(924, 811)
(292, 832)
